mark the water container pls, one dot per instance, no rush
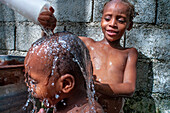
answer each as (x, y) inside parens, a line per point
(28, 8)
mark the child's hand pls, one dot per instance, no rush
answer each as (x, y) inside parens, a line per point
(97, 85)
(47, 19)
(95, 78)
(103, 88)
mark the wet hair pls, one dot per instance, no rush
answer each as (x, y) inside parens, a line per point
(132, 12)
(63, 53)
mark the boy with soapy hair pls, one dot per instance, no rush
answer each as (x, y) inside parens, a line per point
(54, 71)
(114, 67)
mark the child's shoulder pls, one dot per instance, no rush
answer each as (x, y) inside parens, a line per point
(87, 40)
(132, 52)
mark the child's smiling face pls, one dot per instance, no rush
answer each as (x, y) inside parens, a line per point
(115, 20)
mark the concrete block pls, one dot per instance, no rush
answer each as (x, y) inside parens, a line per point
(163, 12)
(164, 106)
(6, 14)
(12, 52)
(141, 102)
(59, 27)
(161, 73)
(162, 102)
(145, 102)
(3, 52)
(90, 30)
(26, 34)
(9, 15)
(146, 10)
(17, 53)
(144, 77)
(153, 76)
(150, 42)
(7, 35)
(72, 10)
(98, 7)
(20, 18)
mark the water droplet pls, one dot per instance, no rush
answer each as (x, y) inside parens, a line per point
(5, 79)
(57, 96)
(91, 48)
(64, 104)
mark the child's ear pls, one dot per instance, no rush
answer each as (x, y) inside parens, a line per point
(130, 26)
(67, 83)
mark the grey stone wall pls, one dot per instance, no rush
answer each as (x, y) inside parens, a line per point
(150, 35)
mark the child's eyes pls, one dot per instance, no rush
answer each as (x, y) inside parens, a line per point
(29, 80)
(107, 18)
(121, 20)
(33, 82)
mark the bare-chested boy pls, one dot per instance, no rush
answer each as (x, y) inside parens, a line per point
(53, 68)
(114, 66)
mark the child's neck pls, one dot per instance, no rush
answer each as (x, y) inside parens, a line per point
(114, 44)
(75, 100)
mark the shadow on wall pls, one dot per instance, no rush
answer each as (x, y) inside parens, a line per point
(2, 38)
(142, 101)
(7, 16)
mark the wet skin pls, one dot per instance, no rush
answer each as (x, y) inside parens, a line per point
(39, 78)
(114, 66)
(115, 20)
(45, 85)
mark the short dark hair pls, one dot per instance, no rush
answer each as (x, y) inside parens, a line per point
(64, 53)
(132, 12)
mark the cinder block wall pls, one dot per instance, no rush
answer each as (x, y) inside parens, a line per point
(150, 35)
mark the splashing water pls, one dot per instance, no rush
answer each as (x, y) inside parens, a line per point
(48, 32)
(81, 56)
(30, 99)
(57, 96)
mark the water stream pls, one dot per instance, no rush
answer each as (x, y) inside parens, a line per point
(48, 32)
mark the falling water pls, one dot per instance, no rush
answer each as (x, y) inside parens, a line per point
(81, 56)
(31, 99)
(47, 31)
(83, 61)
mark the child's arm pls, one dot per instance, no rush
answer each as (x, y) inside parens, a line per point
(47, 19)
(126, 88)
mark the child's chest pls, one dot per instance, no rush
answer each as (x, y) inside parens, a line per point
(107, 65)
